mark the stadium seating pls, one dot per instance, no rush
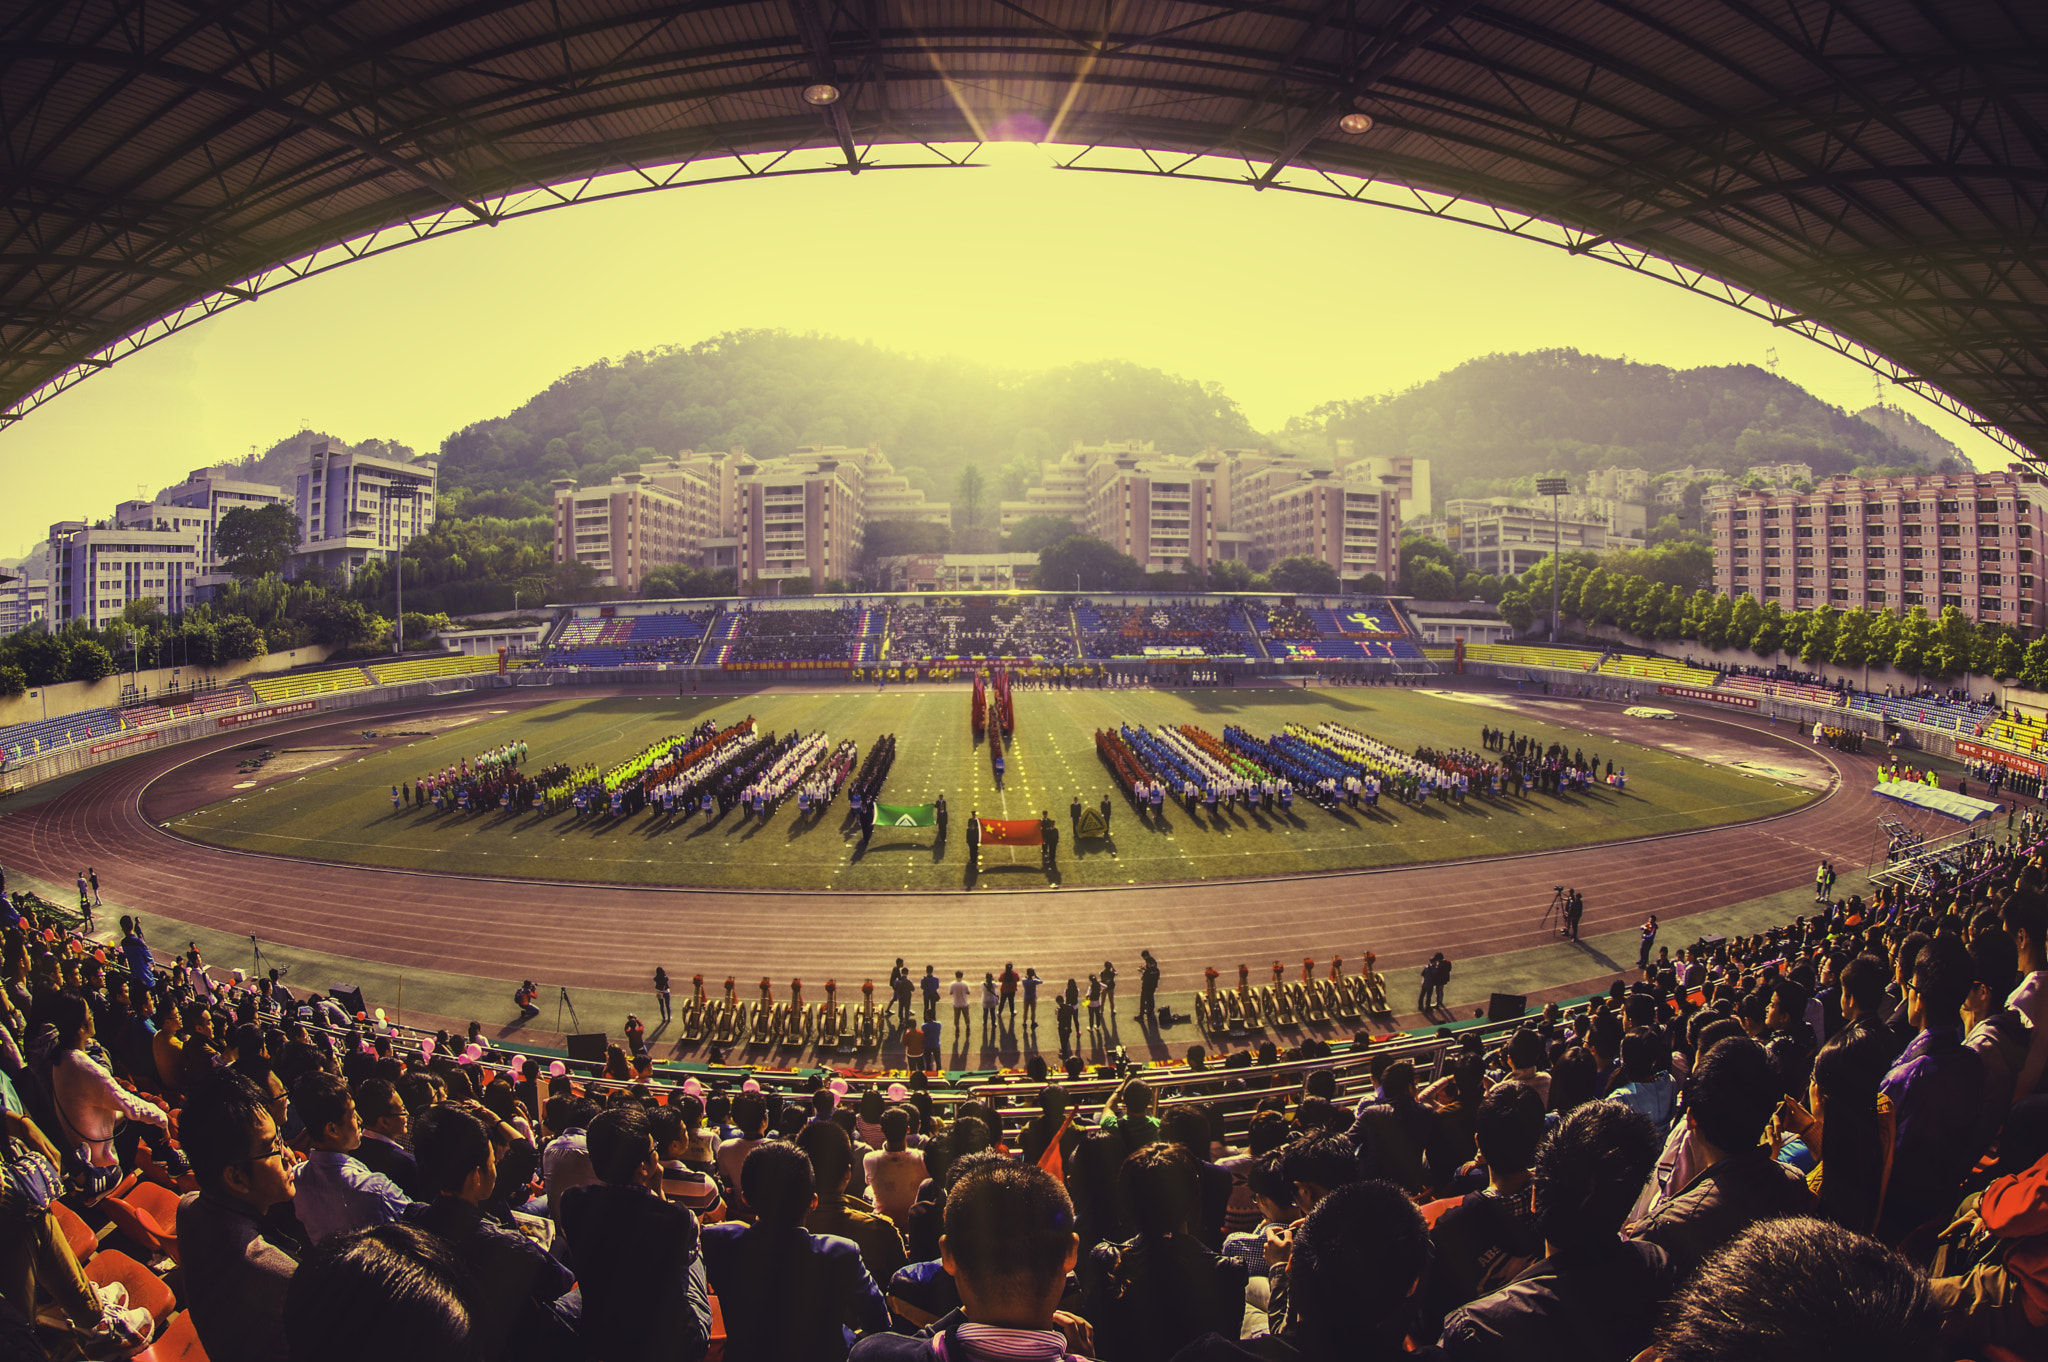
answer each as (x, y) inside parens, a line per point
(432, 668)
(630, 640)
(271, 690)
(1372, 629)
(1956, 716)
(47, 735)
(1128, 630)
(1657, 669)
(953, 627)
(1745, 684)
(1533, 655)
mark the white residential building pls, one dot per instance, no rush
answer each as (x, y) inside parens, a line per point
(359, 508)
(95, 572)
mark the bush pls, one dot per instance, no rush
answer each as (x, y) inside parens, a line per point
(239, 640)
(13, 682)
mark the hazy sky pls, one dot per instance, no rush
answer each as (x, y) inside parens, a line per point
(1285, 300)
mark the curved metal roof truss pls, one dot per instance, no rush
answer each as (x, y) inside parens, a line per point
(1870, 173)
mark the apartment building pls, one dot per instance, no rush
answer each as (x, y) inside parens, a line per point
(23, 601)
(1353, 523)
(886, 495)
(1408, 476)
(635, 523)
(1507, 538)
(359, 508)
(1966, 540)
(1620, 484)
(198, 503)
(800, 517)
(94, 572)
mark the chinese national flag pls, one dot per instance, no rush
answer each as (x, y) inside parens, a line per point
(1010, 832)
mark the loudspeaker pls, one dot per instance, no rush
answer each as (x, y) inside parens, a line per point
(588, 1046)
(1713, 945)
(1506, 1007)
(1165, 1016)
(350, 996)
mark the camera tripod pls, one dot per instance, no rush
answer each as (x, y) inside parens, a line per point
(566, 1001)
(1555, 913)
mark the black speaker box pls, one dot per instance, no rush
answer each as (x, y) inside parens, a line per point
(1506, 1007)
(587, 1046)
(350, 996)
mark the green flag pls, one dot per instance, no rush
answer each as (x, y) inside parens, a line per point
(906, 816)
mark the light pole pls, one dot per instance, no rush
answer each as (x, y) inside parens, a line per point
(1554, 488)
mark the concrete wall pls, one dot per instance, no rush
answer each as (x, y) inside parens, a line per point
(73, 697)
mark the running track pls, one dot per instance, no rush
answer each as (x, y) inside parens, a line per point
(598, 937)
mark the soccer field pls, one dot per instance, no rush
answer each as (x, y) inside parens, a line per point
(342, 811)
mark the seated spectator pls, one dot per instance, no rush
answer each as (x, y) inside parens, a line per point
(88, 1103)
(385, 1123)
(896, 1171)
(1489, 1237)
(1008, 1245)
(788, 1295)
(235, 1273)
(838, 1211)
(1526, 1055)
(395, 1284)
(336, 1193)
(689, 1187)
(1801, 1291)
(34, 1251)
(636, 1255)
(1594, 1294)
(525, 1308)
(1273, 1194)
(1151, 1296)
(1936, 1089)
(1187, 1128)
(565, 1158)
(1268, 1132)
(1395, 1134)
(1646, 1082)
(1990, 1275)
(750, 1117)
(1738, 1182)
(1356, 1265)
(1995, 1031)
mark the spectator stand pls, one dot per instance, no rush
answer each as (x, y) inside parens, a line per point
(1363, 628)
(972, 628)
(1152, 630)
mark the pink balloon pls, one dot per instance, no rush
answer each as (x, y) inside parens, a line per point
(693, 1088)
(474, 1051)
(557, 1069)
(898, 1093)
(750, 1086)
(427, 1047)
(839, 1088)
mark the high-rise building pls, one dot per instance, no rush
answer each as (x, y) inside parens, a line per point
(634, 523)
(1502, 538)
(359, 508)
(95, 572)
(198, 503)
(800, 517)
(1966, 540)
(24, 600)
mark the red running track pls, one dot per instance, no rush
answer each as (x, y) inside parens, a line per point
(607, 937)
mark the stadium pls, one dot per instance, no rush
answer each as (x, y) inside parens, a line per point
(463, 980)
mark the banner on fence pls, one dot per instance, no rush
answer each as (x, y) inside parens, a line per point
(1709, 696)
(98, 748)
(2011, 761)
(269, 712)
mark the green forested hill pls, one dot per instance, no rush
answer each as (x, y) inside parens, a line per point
(1510, 416)
(772, 391)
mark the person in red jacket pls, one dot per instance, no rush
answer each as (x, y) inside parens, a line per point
(1997, 1254)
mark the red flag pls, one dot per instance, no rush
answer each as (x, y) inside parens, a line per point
(1010, 832)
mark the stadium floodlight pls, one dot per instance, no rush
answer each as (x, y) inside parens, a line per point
(1356, 124)
(1554, 488)
(821, 94)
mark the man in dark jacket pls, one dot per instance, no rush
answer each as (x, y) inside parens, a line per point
(636, 1255)
(1396, 1135)
(1490, 1238)
(526, 1307)
(1594, 1294)
(1732, 1097)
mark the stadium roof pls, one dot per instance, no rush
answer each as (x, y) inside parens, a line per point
(1868, 172)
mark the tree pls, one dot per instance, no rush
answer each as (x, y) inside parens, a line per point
(12, 682)
(88, 660)
(1228, 574)
(144, 613)
(1915, 639)
(1432, 581)
(1852, 639)
(2033, 671)
(254, 542)
(1957, 635)
(1770, 631)
(970, 490)
(340, 623)
(1034, 532)
(1746, 618)
(1314, 577)
(240, 640)
(1515, 609)
(39, 654)
(677, 582)
(1819, 644)
(2005, 657)
(1079, 563)
(901, 538)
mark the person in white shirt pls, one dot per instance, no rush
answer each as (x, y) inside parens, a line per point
(963, 999)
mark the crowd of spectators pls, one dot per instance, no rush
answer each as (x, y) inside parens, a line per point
(1823, 1140)
(958, 628)
(826, 634)
(1126, 630)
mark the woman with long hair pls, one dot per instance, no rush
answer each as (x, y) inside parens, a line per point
(89, 1106)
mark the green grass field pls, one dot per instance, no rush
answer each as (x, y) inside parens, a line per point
(343, 812)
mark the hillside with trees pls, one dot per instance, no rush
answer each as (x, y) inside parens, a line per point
(771, 391)
(1501, 418)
